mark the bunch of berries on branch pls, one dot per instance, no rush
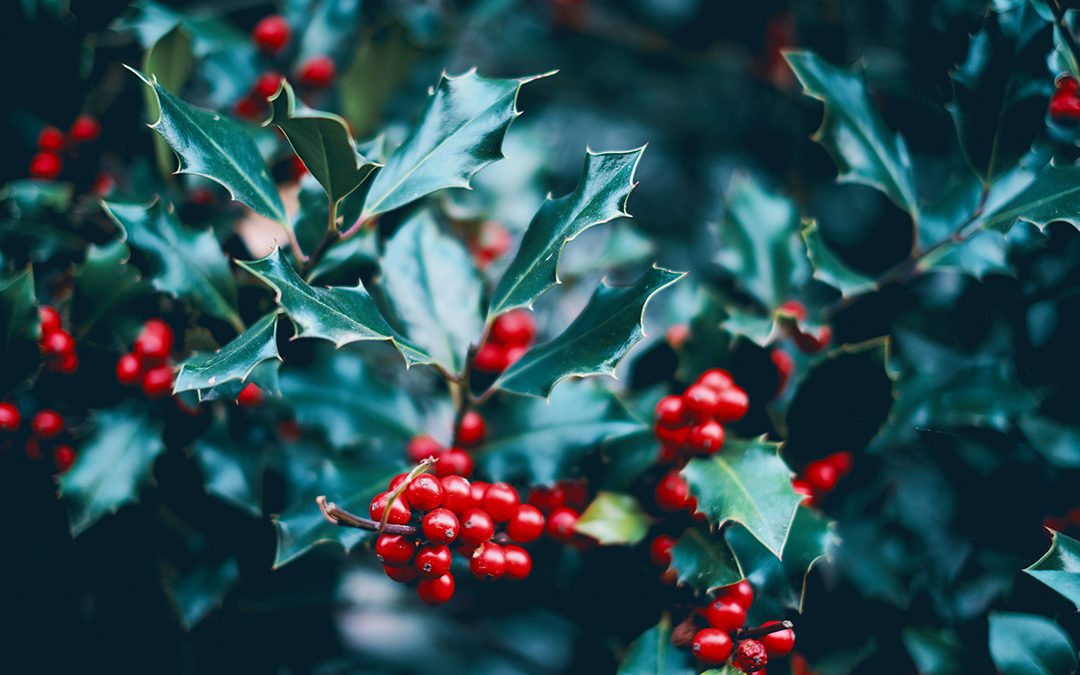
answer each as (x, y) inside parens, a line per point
(820, 477)
(47, 164)
(147, 365)
(456, 460)
(510, 337)
(56, 344)
(692, 424)
(47, 433)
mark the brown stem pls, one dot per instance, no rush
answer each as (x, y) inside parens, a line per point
(339, 516)
(761, 631)
(1066, 32)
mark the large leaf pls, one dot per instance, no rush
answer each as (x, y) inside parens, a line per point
(600, 196)
(652, 653)
(232, 470)
(169, 62)
(340, 315)
(19, 328)
(540, 442)
(1028, 644)
(1059, 568)
(460, 133)
(747, 482)
(614, 518)
(105, 284)
(322, 142)
(218, 148)
(830, 269)
(864, 149)
(704, 561)
(435, 290)
(188, 264)
(115, 462)
(594, 343)
(234, 362)
(1054, 195)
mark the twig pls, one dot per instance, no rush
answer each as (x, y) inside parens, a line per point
(339, 516)
(761, 631)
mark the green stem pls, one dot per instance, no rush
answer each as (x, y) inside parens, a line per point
(330, 237)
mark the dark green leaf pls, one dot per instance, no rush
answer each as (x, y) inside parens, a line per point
(704, 561)
(1054, 195)
(830, 269)
(37, 198)
(105, 284)
(653, 654)
(233, 362)
(169, 62)
(935, 651)
(614, 518)
(1058, 443)
(115, 462)
(600, 196)
(19, 328)
(1059, 568)
(1028, 644)
(980, 395)
(810, 540)
(746, 482)
(232, 471)
(202, 590)
(594, 343)
(435, 290)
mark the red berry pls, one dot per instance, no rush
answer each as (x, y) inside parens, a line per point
(561, 524)
(811, 344)
(785, 366)
(63, 457)
(660, 550)
(155, 341)
(476, 492)
(731, 405)
(842, 462)
(271, 34)
(795, 309)
(750, 656)
(422, 447)
(518, 562)
(677, 335)
(716, 379)
(436, 591)
(821, 475)
(84, 128)
(526, 525)
(47, 424)
(57, 343)
(514, 328)
(396, 481)
(50, 320)
(701, 401)
(67, 364)
(46, 166)
(394, 549)
(317, 73)
(803, 489)
(247, 107)
(500, 501)
(457, 494)
(267, 84)
(706, 437)
(674, 439)
(441, 526)
(472, 430)
(547, 499)
(454, 461)
(399, 512)
(33, 449)
(778, 644)
(50, 139)
(671, 412)
(712, 646)
(672, 492)
(577, 493)
(433, 561)
(742, 593)
(491, 358)
(402, 575)
(250, 396)
(424, 493)
(488, 562)
(10, 419)
(128, 369)
(157, 382)
(476, 527)
(103, 185)
(514, 354)
(726, 614)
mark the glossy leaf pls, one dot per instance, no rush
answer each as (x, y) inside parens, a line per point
(435, 290)
(105, 284)
(600, 196)
(852, 131)
(746, 482)
(594, 343)
(19, 327)
(1028, 644)
(233, 362)
(340, 315)
(652, 653)
(169, 62)
(114, 463)
(704, 561)
(1059, 568)
(202, 590)
(208, 144)
(614, 518)
(1053, 195)
(830, 269)
(232, 471)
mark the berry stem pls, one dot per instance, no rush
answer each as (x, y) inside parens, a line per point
(462, 392)
(761, 631)
(339, 516)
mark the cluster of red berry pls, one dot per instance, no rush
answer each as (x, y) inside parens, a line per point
(272, 34)
(488, 242)
(452, 461)
(56, 344)
(46, 429)
(820, 477)
(1065, 103)
(724, 637)
(562, 504)
(46, 163)
(148, 364)
(510, 337)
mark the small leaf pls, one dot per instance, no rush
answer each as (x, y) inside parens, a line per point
(594, 343)
(935, 651)
(435, 290)
(19, 328)
(188, 264)
(218, 148)
(704, 561)
(830, 269)
(232, 471)
(461, 132)
(169, 62)
(202, 590)
(1058, 443)
(1028, 644)
(340, 315)
(105, 284)
(1054, 195)
(864, 149)
(600, 196)
(233, 362)
(746, 482)
(1059, 568)
(652, 653)
(613, 518)
(322, 142)
(115, 461)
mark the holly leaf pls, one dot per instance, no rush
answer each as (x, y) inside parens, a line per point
(539, 442)
(853, 133)
(1028, 644)
(600, 196)
(200, 591)
(340, 315)
(831, 270)
(234, 362)
(322, 142)
(704, 561)
(1053, 195)
(613, 519)
(105, 285)
(19, 327)
(187, 264)
(747, 483)
(168, 61)
(594, 343)
(460, 132)
(652, 653)
(233, 472)
(435, 290)
(216, 147)
(115, 461)
(1059, 568)
(934, 650)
